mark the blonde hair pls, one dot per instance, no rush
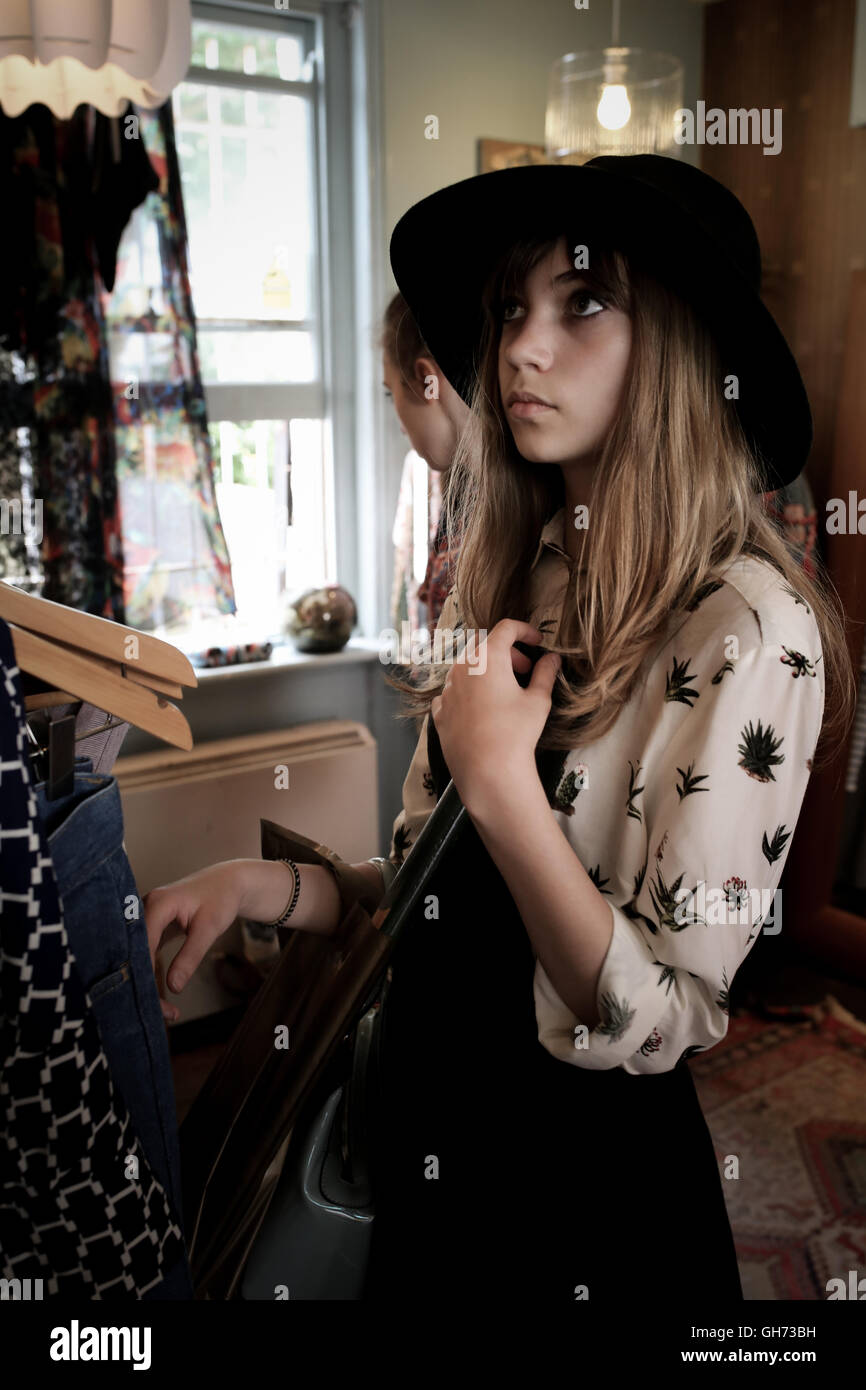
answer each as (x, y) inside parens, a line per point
(401, 338)
(676, 497)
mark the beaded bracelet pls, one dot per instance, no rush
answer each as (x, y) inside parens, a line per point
(290, 906)
(387, 868)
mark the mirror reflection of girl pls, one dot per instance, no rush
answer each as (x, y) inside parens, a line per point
(540, 1136)
(432, 416)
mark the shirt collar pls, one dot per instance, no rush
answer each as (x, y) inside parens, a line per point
(552, 537)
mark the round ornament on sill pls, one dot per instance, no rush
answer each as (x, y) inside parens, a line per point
(321, 620)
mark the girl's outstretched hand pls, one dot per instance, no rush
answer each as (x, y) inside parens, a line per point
(202, 905)
(488, 725)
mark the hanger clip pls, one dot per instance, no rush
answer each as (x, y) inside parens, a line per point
(59, 753)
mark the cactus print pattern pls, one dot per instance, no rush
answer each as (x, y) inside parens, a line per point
(682, 814)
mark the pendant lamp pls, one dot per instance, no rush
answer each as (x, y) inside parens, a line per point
(613, 101)
(104, 53)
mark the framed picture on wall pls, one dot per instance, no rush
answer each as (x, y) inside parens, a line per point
(507, 154)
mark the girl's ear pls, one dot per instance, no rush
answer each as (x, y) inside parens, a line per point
(427, 375)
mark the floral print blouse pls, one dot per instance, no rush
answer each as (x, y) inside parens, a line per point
(682, 813)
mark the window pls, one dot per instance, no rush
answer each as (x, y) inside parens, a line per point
(246, 132)
(245, 120)
(247, 123)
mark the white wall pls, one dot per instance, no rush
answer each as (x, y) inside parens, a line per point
(482, 67)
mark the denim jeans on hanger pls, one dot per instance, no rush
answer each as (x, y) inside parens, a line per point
(107, 934)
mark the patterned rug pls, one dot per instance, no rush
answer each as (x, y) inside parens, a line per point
(787, 1096)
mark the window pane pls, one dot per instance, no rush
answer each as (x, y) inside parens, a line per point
(192, 103)
(269, 557)
(192, 152)
(311, 538)
(270, 356)
(233, 48)
(249, 195)
(232, 109)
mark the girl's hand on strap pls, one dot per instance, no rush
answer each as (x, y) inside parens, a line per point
(489, 725)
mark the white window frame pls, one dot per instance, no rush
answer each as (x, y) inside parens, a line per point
(347, 398)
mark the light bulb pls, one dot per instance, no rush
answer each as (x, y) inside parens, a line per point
(614, 108)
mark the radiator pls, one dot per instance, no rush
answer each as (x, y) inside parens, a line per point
(185, 810)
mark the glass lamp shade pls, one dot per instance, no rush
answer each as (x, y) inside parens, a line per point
(613, 101)
(103, 53)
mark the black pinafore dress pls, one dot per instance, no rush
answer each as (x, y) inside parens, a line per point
(502, 1171)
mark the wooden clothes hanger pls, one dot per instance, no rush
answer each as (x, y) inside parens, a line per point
(114, 667)
(98, 636)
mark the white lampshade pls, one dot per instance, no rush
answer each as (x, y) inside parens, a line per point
(104, 53)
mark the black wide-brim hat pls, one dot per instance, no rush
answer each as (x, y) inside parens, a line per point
(679, 223)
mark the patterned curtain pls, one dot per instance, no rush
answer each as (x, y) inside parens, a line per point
(59, 186)
(69, 433)
(176, 559)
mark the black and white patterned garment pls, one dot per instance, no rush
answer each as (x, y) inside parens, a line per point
(69, 1214)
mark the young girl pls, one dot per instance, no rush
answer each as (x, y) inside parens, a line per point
(632, 806)
(432, 416)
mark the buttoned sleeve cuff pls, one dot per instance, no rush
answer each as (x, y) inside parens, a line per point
(628, 1004)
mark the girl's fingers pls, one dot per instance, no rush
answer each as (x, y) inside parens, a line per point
(201, 934)
(159, 913)
(545, 673)
(510, 630)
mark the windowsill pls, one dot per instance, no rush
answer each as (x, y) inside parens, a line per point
(286, 657)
